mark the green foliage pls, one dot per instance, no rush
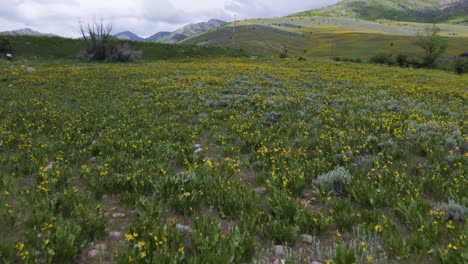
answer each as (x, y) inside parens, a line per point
(211, 246)
(282, 226)
(6, 45)
(425, 11)
(383, 57)
(433, 45)
(344, 255)
(77, 149)
(343, 213)
(347, 59)
(460, 65)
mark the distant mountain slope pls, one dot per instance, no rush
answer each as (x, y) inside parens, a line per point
(176, 36)
(191, 30)
(25, 32)
(158, 36)
(429, 11)
(127, 35)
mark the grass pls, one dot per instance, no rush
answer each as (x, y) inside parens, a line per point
(172, 143)
(309, 37)
(426, 11)
(314, 42)
(57, 48)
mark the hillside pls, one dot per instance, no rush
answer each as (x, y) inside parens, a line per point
(310, 36)
(427, 11)
(127, 35)
(191, 30)
(44, 48)
(158, 36)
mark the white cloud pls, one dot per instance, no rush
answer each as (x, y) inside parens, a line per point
(144, 17)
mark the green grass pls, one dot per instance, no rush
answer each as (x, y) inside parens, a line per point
(368, 160)
(57, 48)
(426, 11)
(314, 42)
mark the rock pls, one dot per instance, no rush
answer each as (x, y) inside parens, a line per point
(184, 228)
(116, 234)
(30, 69)
(279, 250)
(197, 146)
(260, 190)
(118, 215)
(308, 239)
(277, 261)
(93, 160)
(99, 249)
(315, 262)
(198, 150)
(100, 168)
(9, 56)
(49, 166)
(305, 202)
(93, 253)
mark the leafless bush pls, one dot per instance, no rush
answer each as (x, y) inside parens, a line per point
(100, 45)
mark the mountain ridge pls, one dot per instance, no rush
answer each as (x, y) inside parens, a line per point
(175, 36)
(192, 30)
(26, 32)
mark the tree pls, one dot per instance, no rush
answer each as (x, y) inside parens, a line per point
(432, 43)
(6, 45)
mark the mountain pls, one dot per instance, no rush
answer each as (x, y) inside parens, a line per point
(426, 11)
(25, 32)
(158, 36)
(176, 36)
(191, 30)
(127, 35)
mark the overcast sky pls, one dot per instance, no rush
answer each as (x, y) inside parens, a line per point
(143, 17)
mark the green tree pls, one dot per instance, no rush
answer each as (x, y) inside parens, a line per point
(432, 43)
(6, 46)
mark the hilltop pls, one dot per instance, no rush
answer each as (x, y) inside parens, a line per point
(25, 32)
(426, 11)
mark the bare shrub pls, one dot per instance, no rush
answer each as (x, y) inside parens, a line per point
(100, 45)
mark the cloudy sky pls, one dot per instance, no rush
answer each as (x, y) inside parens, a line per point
(143, 17)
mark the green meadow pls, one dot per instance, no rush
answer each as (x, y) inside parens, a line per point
(216, 159)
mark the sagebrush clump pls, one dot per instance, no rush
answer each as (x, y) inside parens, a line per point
(334, 180)
(454, 211)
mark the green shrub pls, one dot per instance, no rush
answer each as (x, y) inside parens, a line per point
(347, 59)
(383, 57)
(460, 65)
(402, 60)
(6, 45)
